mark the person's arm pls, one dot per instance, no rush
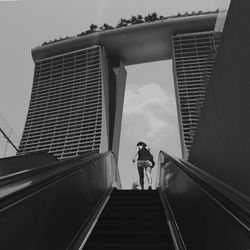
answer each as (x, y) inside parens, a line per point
(133, 159)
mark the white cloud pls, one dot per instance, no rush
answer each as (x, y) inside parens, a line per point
(153, 106)
(155, 124)
(146, 95)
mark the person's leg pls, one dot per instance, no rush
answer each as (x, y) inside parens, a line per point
(149, 177)
(141, 175)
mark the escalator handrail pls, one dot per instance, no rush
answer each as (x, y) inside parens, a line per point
(49, 166)
(233, 201)
(86, 229)
(14, 188)
(173, 226)
(44, 168)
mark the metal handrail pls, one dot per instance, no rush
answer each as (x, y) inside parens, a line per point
(231, 200)
(173, 226)
(86, 229)
(48, 167)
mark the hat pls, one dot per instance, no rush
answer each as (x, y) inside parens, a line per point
(140, 143)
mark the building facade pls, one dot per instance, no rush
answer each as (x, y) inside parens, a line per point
(72, 104)
(193, 59)
(79, 83)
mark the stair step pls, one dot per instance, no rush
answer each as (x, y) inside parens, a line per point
(97, 246)
(134, 201)
(136, 193)
(132, 226)
(132, 216)
(133, 209)
(129, 191)
(130, 237)
(142, 226)
(141, 204)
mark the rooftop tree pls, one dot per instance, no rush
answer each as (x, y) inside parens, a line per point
(122, 23)
(136, 19)
(105, 26)
(151, 17)
(92, 28)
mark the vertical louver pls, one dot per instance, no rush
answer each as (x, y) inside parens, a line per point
(65, 112)
(194, 56)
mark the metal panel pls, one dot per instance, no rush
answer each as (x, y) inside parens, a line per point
(207, 214)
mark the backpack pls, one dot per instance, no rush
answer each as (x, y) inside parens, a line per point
(149, 156)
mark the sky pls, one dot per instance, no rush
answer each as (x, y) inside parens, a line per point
(149, 106)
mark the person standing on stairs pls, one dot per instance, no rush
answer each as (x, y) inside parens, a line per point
(144, 162)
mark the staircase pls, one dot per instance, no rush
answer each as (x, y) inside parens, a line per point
(132, 219)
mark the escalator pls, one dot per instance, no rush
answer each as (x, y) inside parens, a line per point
(131, 220)
(79, 204)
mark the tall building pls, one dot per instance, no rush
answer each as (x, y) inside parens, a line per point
(193, 60)
(70, 107)
(78, 89)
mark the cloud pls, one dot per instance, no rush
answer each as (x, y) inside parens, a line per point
(136, 101)
(149, 110)
(155, 124)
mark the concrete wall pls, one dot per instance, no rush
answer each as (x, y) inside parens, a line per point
(121, 76)
(105, 104)
(222, 142)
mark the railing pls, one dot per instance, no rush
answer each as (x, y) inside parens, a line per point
(45, 207)
(9, 141)
(208, 213)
